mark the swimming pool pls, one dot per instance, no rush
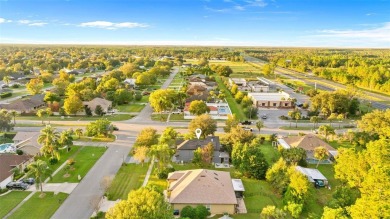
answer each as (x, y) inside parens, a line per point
(223, 110)
(7, 148)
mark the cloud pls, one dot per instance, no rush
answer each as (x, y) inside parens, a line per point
(239, 8)
(24, 21)
(112, 26)
(381, 33)
(37, 24)
(2, 20)
(257, 3)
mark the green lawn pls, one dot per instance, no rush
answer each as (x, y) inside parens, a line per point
(84, 161)
(115, 117)
(64, 156)
(177, 117)
(161, 184)
(271, 154)
(234, 106)
(9, 201)
(342, 144)
(130, 108)
(159, 117)
(40, 208)
(111, 138)
(129, 177)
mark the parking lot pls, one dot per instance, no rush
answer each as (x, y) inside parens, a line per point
(273, 114)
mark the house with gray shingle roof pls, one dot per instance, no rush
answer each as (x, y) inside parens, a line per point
(9, 162)
(27, 105)
(213, 189)
(105, 104)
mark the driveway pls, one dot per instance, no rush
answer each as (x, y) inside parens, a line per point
(55, 187)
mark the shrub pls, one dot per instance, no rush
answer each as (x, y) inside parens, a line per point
(188, 211)
(19, 152)
(283, 117)
(53, 160)
(5, 94)
(163, 174)
(138, 96)
(3, 190)
(15, 86)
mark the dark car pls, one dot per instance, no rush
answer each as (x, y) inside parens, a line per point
(264, 116)
(115, 128)
(246, 122)
(29, 181)
(17, 185)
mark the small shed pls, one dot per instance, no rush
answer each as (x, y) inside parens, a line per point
(238, 187)
(314, 175)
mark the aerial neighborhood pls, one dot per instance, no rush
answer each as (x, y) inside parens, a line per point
(191, 132)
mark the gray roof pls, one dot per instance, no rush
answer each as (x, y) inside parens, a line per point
(312, 174)
(193, 144)
(8, 162)
(24, 105)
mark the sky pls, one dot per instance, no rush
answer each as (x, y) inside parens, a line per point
(290, 23)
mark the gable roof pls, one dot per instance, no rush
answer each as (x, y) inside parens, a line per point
(92, 104)
(308, 142)
(25, 104)
(8, 162)
(193, 144)
(202, 186)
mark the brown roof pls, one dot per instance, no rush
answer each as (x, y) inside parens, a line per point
(25, 105)
(8, 162)
(202, 186)
(193, 144)
(98, 101)
(307, 142)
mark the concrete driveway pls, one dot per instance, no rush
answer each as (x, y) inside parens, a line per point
(55, 187)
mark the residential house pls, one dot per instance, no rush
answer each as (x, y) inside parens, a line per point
(271, 100)
(28, 105)
(197, 92)
(308, 143)
(9, 162)
(241, 82)
(313, 175)
(213, 189)
(217, 110)
(185, 150)
(27, 142)
(92, 104)
(130, 81)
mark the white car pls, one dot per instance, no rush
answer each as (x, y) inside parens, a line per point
(247, 129)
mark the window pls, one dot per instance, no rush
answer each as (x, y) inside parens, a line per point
(262, 104)
(274, 104)
(208, 207)
(285, 104)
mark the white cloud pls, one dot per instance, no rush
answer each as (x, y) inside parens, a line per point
(37, 24)
(257, 3)
(2, 20)
(24, 21)
(381, 33)
(112, 26)
(240, 8)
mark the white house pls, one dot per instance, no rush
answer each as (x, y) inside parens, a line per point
(241, 82)
(274, 100)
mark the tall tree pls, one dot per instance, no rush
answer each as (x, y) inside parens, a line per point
(140, 154)
(320, 153)
(146, 137)
(278, 176)
(14, 114)
(163, 153)
(205, 123)
(41, 113)
(376, 122)
(5, 120)
(169, 136)
(72, 105)
(34, 86)
(163, 99)
(49, 138)
(259, 125)
(65, 140)
(326, 130)
(198, 107)
(39, 170)
(314, 120)
(153, 206)
(231, 122)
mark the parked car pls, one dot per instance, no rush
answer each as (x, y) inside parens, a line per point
(115, 128)
(29, 181)
(178, 111)
(264, 116)
(17, 185)
(246, 122)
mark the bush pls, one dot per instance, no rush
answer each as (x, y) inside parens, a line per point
(53, 160)
(201, 212)
(163, 174)
(70, 161)
(138, 96)
(19, 152)
(283, 117)
(5, 94)
(3, 190)
(15, 86)
(188, 211)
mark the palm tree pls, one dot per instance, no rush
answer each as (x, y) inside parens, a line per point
(14, 114)
(78, 132)
(259, 125)
(65, 139)
(49, 138)
(39, 170)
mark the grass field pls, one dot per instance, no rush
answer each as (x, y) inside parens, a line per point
(271, 154)
(129, 177)
(84, 161)
(130, 108)
(64, 156)
(9, 201)
(40, 208)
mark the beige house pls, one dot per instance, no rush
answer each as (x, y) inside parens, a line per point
(92, 104)
(27, 142)
(213, 189)
(271, 100)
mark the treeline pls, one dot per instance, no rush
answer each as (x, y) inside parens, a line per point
(365, 68)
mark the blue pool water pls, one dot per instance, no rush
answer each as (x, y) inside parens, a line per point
(6, 148)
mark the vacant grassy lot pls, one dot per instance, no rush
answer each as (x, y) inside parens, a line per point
(9, 201)
(41, 208)
(84, 161)
(129, 177)
(130, 108)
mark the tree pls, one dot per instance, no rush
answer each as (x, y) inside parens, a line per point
(79, 132)
(354, 174)
(198, 107)
(340, 117)
(147, 137)
(333, 213)
(205, 123)
(61, 85)
(5, 120)
(299, 187)
(51, 97)
(259, 125)
(48, 113)
(99, 110)
(34, 86)
(320, 153)
(49, 138)
(231, 122)
(153, 206)
(239, 96)
(234, 89)
(249, 160)
(314, 120)
(294, 156)
(39, 170)
(72, 105)
(65, 140)
(271, 212)
(123, 96)
(278, 176)
(246, 101)
(169, 136)
(376, 122)
(163, 153)
(332, 117)
(163, 99)
(326, 130)
(41, 113)
(14, 114)
(88, 111)
(140, 154)
(204, 154)
(203, 62)
(100, 127)
(6, 79)
(294, 209)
